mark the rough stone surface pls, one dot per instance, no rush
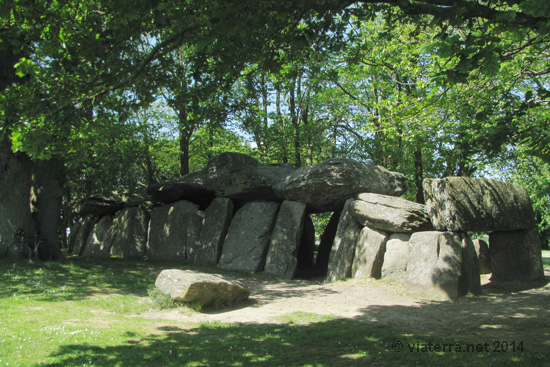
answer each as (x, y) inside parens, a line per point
(343, 248)
(442, 262)
(81, 238)
(390, 214)
(246, 244)
(100, 239)
(194, 228)
(306, 251)
(477, 205)
(395, 257)
(72, 236)
(168, 231)
(516, 255)
(327, 185)
(208, 289)
(483, 256)
(97, 205)
(282, 256)
(129, 233)
(230, 175)
(369, 254)
(216, 222)
(327, 240)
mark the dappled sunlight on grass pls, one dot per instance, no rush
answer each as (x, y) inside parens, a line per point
(87, 312)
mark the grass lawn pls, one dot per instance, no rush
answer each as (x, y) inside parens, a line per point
(80, 312)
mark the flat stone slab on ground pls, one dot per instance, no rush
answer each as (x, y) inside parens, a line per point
(208, 289)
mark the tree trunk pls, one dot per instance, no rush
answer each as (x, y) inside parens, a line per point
(419, 175)
(186, 131)
(15, 187)
(46, 196)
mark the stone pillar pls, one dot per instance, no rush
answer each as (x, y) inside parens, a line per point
(516, 255)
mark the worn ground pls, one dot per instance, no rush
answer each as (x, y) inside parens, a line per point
(504, 312)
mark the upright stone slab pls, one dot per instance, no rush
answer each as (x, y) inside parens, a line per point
(100, 239)
(483, 256)
(72, 236)
(168, 231)
(395, 257)
(327, 240)
(194, 228)
(247, 240)
(216, 222)
(343, 248)
(88, 224)
(306, 250)
(129, 231)
(390, 214)
(477, 205)
(443, 263)
(369, 254)
(516, 255)
(285, 240)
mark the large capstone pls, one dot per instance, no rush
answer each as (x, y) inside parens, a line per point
(246, 244)
(208, 289)
(230, 175)
(390, 214)
(477, 205)
(327, 185)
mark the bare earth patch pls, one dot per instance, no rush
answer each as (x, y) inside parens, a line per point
(504, 312)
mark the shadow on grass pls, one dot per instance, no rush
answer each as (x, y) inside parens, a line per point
(336, 342)
(79, 277)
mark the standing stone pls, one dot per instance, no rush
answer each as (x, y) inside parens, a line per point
(442, 262)
(100, 240)
(168, 231)
(282, 256)
(483, 256)
(390, 214)
(248, 236)
(216, 222)
(72, 236)
(194, 227)
(129, 232)
(343, 248)
(88, 224)
(327, 185)
(369, 254)
(516, 255)
(470, 280)
(306, 250)
(466, 204)
(395, 258)
(327, 239)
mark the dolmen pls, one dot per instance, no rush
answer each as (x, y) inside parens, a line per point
(242, 215)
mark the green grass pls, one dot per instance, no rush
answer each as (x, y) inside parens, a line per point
(85, 313)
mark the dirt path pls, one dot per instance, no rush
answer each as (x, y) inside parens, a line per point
(503, 312)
